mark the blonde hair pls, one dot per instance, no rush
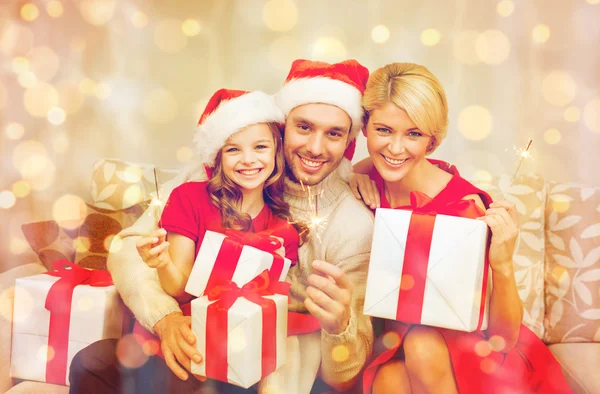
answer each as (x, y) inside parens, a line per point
(414, 89)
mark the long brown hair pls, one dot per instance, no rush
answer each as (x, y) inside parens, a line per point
(226, 196)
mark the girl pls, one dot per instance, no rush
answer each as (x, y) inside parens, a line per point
(407, 119)
(239, 142)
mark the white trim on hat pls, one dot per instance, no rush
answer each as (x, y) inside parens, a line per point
(230, 117)
(323, 90)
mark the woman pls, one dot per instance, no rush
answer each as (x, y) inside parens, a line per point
(407, 119)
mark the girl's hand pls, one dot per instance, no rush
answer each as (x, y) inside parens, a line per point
(154, 249)
(502, 219)
(364, 188)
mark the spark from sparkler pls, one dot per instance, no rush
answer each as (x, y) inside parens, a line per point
(315, 223)
(522, 154)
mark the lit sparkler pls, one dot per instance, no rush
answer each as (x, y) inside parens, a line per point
(315, 223)
(522, 154)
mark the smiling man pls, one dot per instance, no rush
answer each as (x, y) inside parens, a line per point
(322, 103)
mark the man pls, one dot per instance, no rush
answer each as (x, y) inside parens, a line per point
(323, 110)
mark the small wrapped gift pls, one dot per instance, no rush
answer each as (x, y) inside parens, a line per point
(428, 266)
(57, 314)
(241, 332)
(235, 256)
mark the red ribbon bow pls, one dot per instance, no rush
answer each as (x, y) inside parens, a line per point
(58, 302)
(418, 246)
(231, 250)
(217, 322)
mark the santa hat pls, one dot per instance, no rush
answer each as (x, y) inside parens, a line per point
(227, 112)
(341, 84)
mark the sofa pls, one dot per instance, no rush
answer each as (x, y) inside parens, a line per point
(557, 260)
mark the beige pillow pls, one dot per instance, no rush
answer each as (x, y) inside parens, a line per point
(118, 184)
(572, 264)
(528, 194)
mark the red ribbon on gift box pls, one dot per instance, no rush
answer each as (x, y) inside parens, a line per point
(231, 250)
(58, 302)
(416, 254)
(217, 319)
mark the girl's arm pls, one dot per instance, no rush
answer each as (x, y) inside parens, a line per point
(506, 308)
(174, 274)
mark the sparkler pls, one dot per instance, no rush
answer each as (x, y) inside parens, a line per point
(156, 202)
(522, 154)
(315, 223)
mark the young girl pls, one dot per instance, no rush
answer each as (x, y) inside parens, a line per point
(407, 119)
(240, 143)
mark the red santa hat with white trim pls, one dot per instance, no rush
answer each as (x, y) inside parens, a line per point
(227, 112)
(340, 84)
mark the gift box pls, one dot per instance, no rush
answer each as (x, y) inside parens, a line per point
(57, 314)
(235, 256)
(241, 332)
(430, 268)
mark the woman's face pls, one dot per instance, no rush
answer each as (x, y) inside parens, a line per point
(248, 157)
(394, 142)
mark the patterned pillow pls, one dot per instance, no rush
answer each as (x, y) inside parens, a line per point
(572, 264)
(98, 230)
(118, 184)
(528, 193)
(51, 241)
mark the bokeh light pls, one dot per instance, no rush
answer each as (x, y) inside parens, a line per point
(283, 51)
(54, 8)
(191, 27)
(139, 19)
(29, 12)
(328, 49)
(497, 343)
(391, 340)
(552, 136)
(505, 8)
(558, 88)
(78, 44)
(25, 305)
(185, 154)
(132, 195)
(380, 34)
(102, 91)
(483, 348)
(7, 199)
(82, 244)
(430, 37)
(572, 114)
(540, 34)
(488, 366)
(407, 282)
(20, 64)
(3, 95)
(280, 15)
(160, 106)
(87, 86)
(60, 142)
(30, 157)
(463, 47)
(45, 353)
(237, 341)
(151, 347)
(115, 245)
(492, 47)
(591, 115)
(168, 36)
(593, 1)
(560, 202)
(129, 352)
(6, 303)
(40, 98)
(21, 189)
(27, 79)
(132, 174)
(69, 209)
(97, 12)
(15, 40)
(70, 97)
(475, 122)
(340, 353)
(44, 63)
(14, 131)
(56, 116)
(483, 176)
(18, 246)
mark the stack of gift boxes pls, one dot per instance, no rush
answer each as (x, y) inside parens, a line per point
(239, 317)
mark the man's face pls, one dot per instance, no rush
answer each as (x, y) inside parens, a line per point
(315, 138)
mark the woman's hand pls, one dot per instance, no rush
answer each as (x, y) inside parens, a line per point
(364, 188)
(502, 219)
(154, 249)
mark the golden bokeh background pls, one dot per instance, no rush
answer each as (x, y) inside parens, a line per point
(82, 80)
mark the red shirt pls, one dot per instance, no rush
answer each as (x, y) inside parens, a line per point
(190, 212)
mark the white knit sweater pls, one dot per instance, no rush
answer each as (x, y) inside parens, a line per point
(344, 240)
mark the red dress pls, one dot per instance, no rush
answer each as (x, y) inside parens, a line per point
(529, 367)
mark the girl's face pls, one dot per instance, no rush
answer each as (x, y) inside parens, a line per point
(248, 157)
(394, 142)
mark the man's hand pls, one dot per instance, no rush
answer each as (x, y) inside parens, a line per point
(177, 343)
(329, 295)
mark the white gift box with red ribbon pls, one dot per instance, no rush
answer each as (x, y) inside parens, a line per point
(429, 269)
(44, 341)
(232, 256)
(241, 335)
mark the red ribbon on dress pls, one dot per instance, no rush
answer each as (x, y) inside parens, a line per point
(58, 302)
(217, 319)
(231, 250)
(418, 246)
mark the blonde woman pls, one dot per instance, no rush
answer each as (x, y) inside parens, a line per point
(407, 120)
